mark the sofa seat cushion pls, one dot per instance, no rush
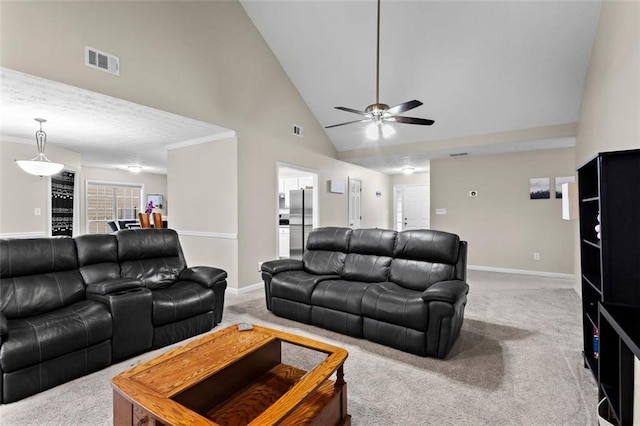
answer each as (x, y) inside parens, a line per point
(39, 338)
(388, 302)
(296, 286)
(181, 300)
(340, 295)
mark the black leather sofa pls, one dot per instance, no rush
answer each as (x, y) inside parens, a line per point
(72, 306)
(404, 289)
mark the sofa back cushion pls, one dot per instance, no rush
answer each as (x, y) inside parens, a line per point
(38, 275)
(326, 250)
(424, 257)
(369, 256)
(329, 239)
(153, 256)
(98, 257)
(366, 268)
(372, 241)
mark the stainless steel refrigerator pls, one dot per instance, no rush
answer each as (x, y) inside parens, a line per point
(300, 220)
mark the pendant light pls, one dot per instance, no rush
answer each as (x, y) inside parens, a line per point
(40, 165)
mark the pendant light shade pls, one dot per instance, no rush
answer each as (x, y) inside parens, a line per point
(40, 165)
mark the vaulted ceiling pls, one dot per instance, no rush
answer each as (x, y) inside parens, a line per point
(496, 76)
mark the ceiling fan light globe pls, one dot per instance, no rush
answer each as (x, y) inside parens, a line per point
(373, 131)
(387, 131)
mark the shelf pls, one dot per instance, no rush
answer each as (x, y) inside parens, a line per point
(591, 363)
(590, 200)
(593, 286)
(613, 397)
(595, 244)
(624, 320)
(620, 340)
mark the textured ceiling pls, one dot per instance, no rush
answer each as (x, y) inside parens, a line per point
(107, 132)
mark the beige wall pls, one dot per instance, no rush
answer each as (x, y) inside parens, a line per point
(202, 60)
(610, 111)
(413, 179)
(21, 193)
(205, 203)
(502, 225)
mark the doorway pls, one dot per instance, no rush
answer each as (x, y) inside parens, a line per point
(411, 207)
(355, 203)
(297, 208)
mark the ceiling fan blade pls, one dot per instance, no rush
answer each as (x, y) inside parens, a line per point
(398, 109)
(355, 111)
(411, 120)
(348, 122)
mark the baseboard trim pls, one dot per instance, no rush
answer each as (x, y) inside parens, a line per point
(247, 289)
(201, 234)
(522, 272)
(23, 235)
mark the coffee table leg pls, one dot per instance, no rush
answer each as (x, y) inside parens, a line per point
(341, 385)
(122, 410)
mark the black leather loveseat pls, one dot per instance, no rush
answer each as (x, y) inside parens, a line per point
(72, 306)
(404, 289)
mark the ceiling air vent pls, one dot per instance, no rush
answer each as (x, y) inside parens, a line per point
(459, 154)
(97, 59)
(297, 130)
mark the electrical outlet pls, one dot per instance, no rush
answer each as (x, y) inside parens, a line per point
(260, 266)
(37, 211)
(536, 256)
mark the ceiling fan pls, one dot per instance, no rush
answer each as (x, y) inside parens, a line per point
(379, 113)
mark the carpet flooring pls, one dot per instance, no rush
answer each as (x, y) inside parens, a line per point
(517, 362)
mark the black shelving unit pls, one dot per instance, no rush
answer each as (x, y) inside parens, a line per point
(609, 192)
(620, 340)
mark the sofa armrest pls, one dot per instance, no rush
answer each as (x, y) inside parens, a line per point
(446, 291)
(4, 325)
(114, 286)
(281, 265)
(206, 276)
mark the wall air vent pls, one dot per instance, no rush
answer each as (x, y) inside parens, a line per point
(459, 154)
(297, 130)
(97, 59)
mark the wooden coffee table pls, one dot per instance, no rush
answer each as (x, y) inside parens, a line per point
(234, 377)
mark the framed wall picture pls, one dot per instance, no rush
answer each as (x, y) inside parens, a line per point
(156, 199)
(539, 188)
(560, 181)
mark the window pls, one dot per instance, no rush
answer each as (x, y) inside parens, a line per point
(107, 202)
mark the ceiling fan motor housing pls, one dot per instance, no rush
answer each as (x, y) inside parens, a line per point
(376, 109)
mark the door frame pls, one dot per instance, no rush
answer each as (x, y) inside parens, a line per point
(316, 191)
(395, 202)
(351, 225)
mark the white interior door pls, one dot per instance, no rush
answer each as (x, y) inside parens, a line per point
(355, 203)
(412, 207)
